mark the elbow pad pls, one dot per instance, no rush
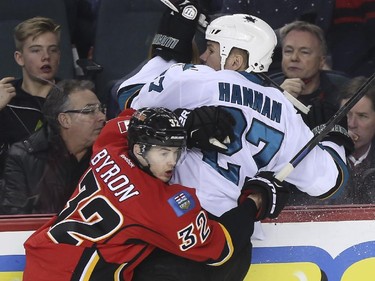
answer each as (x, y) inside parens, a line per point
(343, 174)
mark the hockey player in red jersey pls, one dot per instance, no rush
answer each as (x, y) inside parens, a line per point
(124, 208)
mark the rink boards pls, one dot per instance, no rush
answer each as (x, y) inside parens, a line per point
(314, 244)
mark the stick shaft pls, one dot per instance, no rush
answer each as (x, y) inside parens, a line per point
(170, 5)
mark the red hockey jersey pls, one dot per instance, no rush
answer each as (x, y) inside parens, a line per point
(118, 214)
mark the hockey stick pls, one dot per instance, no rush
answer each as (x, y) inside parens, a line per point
(296, 103)
(328, 126)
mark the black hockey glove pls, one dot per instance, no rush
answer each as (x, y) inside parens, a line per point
(208, 127)
(174, 37)
(275, 194)
(338, 135)
(320, 112)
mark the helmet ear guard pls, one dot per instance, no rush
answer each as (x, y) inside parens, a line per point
(245, 32)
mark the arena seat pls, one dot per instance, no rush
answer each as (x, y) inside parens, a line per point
(124, 32)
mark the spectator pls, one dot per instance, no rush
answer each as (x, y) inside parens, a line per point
(37, 52)
(304, 52)
(124, 208)
(361, 125)
(42, 171)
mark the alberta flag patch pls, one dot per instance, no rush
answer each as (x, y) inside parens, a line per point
(181, 203)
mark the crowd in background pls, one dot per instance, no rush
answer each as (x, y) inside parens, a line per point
(338, 34)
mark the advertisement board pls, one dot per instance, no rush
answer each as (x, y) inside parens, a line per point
(303, 244)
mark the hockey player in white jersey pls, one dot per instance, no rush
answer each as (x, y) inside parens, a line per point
(268, 132)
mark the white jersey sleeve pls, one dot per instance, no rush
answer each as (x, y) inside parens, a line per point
(268, 133)
(147, 73)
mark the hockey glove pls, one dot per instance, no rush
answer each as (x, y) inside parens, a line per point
(174, 37)
(338, 135)
(208, 127)
(275, 194)
(320, 112)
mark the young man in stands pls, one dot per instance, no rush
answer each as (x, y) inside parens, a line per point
(37, 52)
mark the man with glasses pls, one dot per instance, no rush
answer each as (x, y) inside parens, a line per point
(42, 171)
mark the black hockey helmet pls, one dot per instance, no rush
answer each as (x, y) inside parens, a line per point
(156, 126)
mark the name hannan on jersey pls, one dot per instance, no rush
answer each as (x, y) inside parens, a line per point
(111, 174)
(237, 94)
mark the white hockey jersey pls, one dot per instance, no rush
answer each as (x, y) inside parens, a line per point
(268, 133)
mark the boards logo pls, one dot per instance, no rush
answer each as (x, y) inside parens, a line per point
(309, 263)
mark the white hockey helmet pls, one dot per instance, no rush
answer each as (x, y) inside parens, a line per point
(244, 32)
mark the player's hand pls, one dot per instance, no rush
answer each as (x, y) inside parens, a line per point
(7, 91)
(293, 86)
(208, 127)
(274, 194)
(176, 31)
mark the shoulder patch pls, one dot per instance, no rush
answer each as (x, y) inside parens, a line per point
(123, 126)
(182, 203)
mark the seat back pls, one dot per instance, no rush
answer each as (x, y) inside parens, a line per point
(8, 66)
(124, 33)
(13, 12)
